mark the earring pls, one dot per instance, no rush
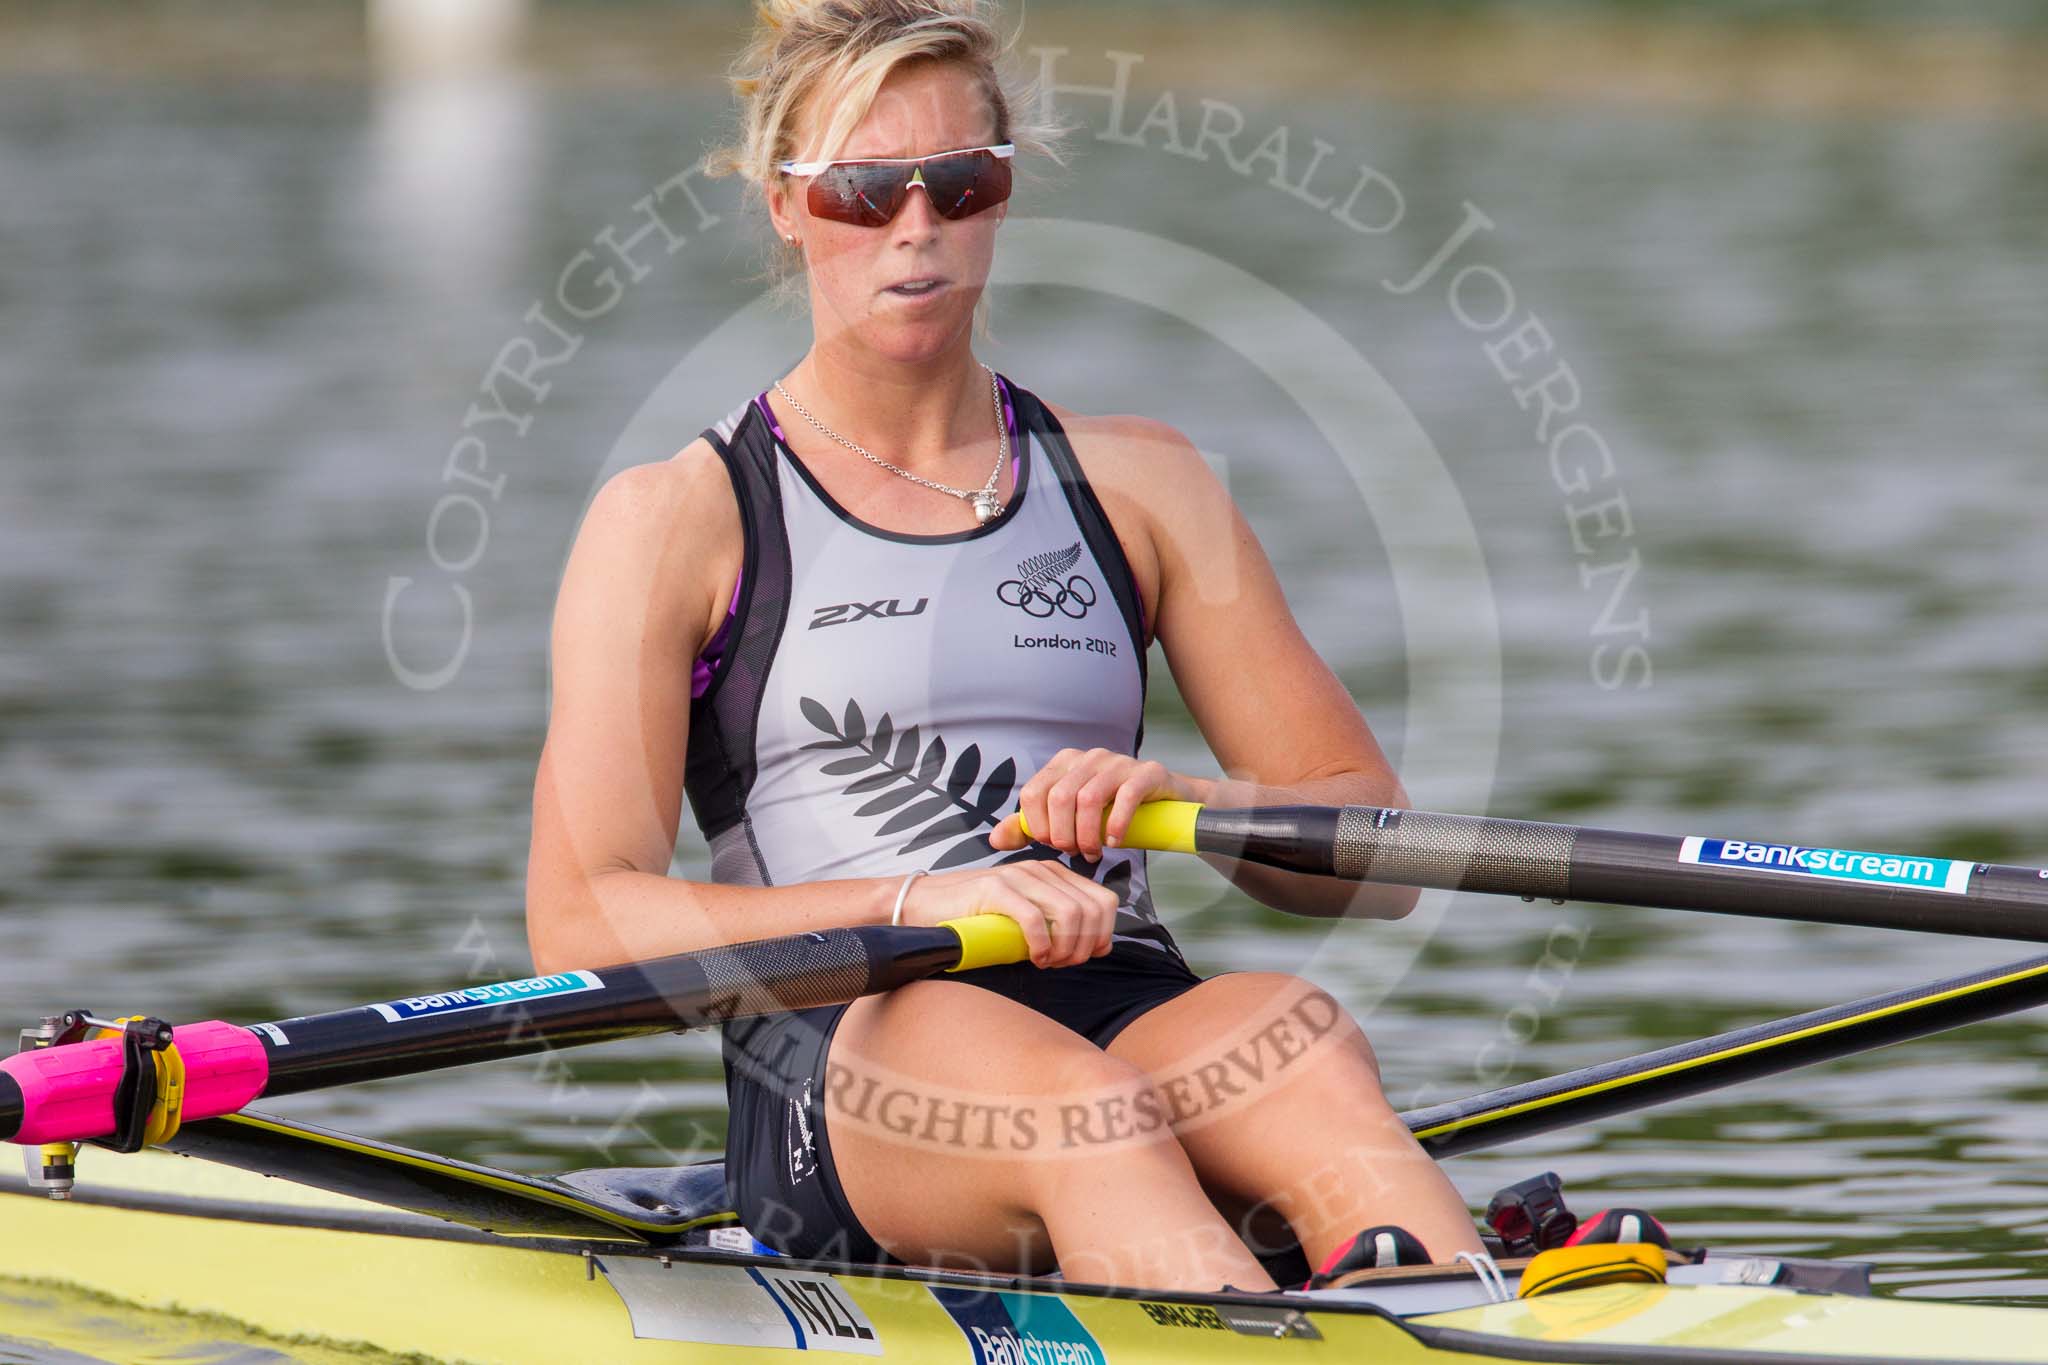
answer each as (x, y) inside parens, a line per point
(791, 239)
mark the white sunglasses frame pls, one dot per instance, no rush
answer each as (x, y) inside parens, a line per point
(1003, 150)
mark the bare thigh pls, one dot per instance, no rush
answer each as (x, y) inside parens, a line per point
(1257, 1068)
(942, 1109)
(1276, 1099)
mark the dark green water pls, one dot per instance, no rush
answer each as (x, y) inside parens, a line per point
(244, 324)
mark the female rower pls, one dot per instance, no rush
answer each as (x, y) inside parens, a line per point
(881, 609)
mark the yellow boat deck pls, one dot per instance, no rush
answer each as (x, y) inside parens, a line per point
(288, 1262)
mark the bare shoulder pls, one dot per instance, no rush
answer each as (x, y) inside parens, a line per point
(1194, 542)
(1150, 465)
(689, 489)
(1155, 486)
(1126, 445)
(671, 530)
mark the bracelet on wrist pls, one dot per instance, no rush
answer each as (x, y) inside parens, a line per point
(903, 894)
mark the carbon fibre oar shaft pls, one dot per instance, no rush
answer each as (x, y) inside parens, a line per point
(68, 1093)
(1568, 862)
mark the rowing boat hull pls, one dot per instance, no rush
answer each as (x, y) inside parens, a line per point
(166, 1232)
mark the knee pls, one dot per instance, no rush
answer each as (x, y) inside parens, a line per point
(1092, 1104)
(1091, 1101)
(1301, 1018)
(1284, 1002)
(1088, 1072)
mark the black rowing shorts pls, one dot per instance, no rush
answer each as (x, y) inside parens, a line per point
(779, 1174)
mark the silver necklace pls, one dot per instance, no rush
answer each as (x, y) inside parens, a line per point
(986, 505)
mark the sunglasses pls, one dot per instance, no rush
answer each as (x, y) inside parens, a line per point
(868, 193)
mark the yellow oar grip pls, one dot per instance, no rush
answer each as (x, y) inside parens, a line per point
(991, 940)
(1161, 826)
(988, 941)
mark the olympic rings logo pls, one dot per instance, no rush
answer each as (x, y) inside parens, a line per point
(1070, 599)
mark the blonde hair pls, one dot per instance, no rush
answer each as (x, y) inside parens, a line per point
(804, 50)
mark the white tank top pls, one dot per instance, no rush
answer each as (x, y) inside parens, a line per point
(876, 699)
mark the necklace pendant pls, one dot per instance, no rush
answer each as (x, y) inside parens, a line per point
(985, 508)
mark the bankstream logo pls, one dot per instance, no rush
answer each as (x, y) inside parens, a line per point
(483, 997)
(1830, 864)
(1018, 1329)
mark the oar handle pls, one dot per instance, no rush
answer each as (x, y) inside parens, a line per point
(988, 940)
(1160, 826)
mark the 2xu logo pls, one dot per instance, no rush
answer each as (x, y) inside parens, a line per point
(846, 613)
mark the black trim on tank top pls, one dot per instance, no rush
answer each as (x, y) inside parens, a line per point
(1019, 448)
(749, 577)
(719, 766)
(1096, 529)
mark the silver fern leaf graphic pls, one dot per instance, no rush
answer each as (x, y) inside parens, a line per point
(1040, 569)
(913, 789)
(909, 782)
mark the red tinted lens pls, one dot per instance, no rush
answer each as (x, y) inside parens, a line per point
(866, 194)
(962, 184)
